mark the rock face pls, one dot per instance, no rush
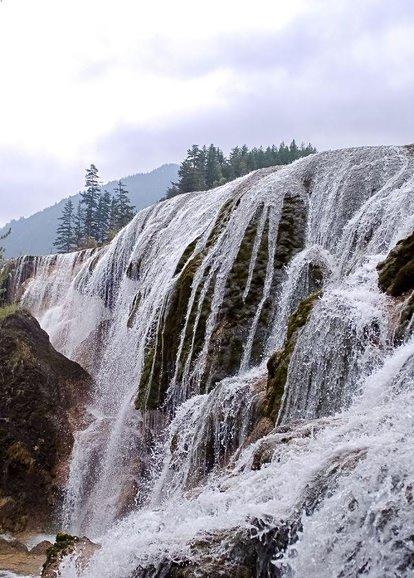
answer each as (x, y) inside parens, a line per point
(66, 545)
(252, 553)
(41, 396)
(278, 363)
(236, 313)
(396, 273)
(396, 278)
(8, 281)
(15, 557)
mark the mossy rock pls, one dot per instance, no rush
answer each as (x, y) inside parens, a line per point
(161, 351)
(41, 393)
(237, 310)
(9, 292)
(7, 310)
(64, 544)
(396, 273)
(278, 364)
(405, 320)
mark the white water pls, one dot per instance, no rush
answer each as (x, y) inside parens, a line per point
(361, 203)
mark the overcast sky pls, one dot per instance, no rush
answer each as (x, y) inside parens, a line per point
(130, 85)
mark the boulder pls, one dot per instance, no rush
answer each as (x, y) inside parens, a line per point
(396, 278)
(396, 272)
(66, 545)
(15, 557)
(42, 394)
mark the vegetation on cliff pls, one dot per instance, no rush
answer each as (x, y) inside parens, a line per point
(396, 273)
(396, 278)
(278, 364)
(208, 167)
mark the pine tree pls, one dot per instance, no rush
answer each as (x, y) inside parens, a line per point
(103, 217)
(204, 168)
(214, 172)
(65, 241)
(124, 210)
(78, 221)
(89, 200)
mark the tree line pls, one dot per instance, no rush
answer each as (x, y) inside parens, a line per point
(208, 167)
(99, 215)
(96, 219)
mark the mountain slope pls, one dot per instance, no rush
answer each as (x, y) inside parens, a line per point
(35, 234)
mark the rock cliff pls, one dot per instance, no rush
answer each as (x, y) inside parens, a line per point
(41, 399)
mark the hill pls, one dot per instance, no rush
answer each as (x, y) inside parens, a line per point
(35, 234)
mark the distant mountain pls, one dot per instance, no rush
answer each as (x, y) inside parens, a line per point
(34, 235)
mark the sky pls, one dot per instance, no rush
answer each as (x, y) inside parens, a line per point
(130, 85)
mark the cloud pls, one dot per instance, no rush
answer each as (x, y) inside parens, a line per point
(31, 182)
(337, 77)
(329, 31)
(136, 92)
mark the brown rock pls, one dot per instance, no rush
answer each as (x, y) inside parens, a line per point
(41, 548)
(396, 273)
(41, 396)
(65, 545)
(15, 557)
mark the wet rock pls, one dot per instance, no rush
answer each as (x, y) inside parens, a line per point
(405, 322)
(41, 548)
(15, 557)
(278, 364)
(396, 278)
(11, 287)
(66, 545)
(275, 440)
(251, 552)
(396, 273)
(237, 310)
(41, 398)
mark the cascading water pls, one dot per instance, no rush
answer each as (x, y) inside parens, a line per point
(176, 318)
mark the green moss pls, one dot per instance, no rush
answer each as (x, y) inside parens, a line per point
(222, 219)
(133, 310)
(8, 310)
(64, 543)
(396, 273)
(278, 364)
(188, 251)
(404, 321)
(18, 452)
(236, 311)
(146, 397)
(160, 357)
(196, 325)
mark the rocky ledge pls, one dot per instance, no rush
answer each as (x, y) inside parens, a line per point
(42, 394)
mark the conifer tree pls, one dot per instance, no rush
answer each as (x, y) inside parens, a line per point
(89, 200)
(214, 172)
(204, 168)
(103, 216)
(123, 209)
(65, 240)
(78, 221)
(113, 215)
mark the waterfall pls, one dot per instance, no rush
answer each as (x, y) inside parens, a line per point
(176, 318)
